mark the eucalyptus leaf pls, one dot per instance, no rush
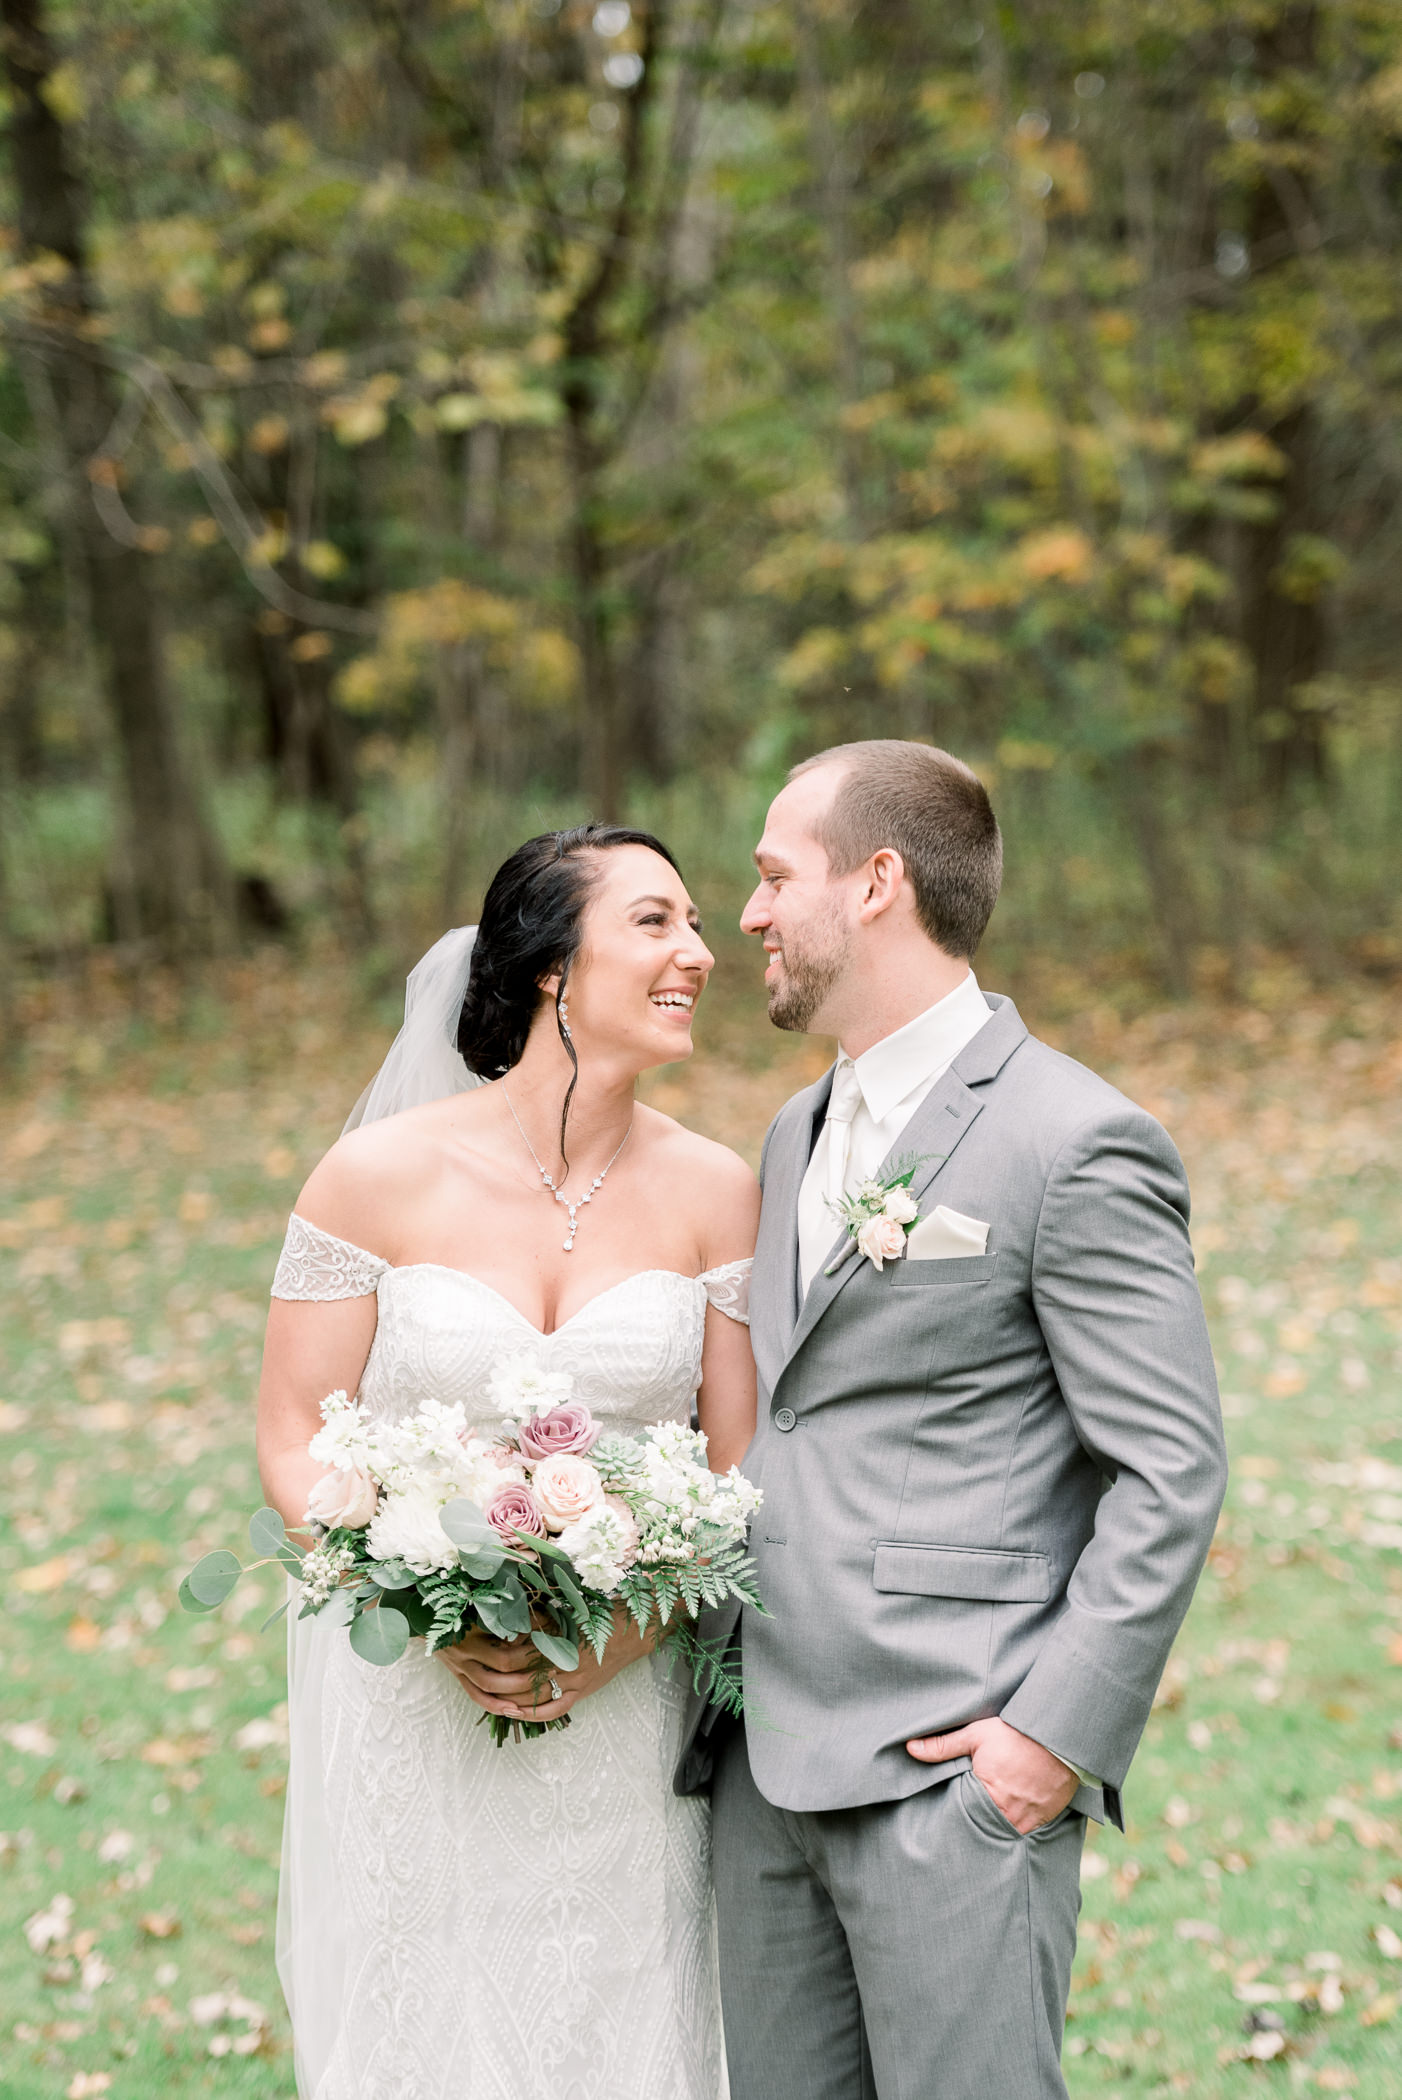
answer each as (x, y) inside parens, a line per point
(291, 1558)
(556, 1649)
(266, 1531)
(412, 1608)
(188, 1600)
(380, 1636)
(481, 1564)
(466, 1526)
(274, 1616)
(390, 1575)
(339, 1608)
(212, 1578)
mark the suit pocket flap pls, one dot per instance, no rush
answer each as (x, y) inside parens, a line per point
(976, 1572)
(944, 1270)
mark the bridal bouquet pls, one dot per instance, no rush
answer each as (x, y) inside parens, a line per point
(543, 1530)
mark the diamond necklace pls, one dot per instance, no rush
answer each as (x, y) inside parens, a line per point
(559, 1194)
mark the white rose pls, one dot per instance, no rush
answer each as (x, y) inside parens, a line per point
(901, 1206)
(406, 1527)
(343, 1499)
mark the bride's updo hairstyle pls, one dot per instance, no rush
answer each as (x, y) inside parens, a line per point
(532, 926)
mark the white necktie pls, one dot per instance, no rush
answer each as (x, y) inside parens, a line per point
(826, 1178)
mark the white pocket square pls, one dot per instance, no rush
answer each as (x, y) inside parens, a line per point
(945, 1235)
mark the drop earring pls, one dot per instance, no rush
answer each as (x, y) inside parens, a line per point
(562, 1007)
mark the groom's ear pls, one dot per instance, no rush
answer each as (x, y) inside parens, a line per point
(884, 876)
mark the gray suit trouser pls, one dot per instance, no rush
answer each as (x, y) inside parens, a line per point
(909, 1950)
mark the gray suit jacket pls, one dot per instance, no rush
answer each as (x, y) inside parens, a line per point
(990, 1483)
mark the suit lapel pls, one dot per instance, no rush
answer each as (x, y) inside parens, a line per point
(933, 1134)
(774, 1290)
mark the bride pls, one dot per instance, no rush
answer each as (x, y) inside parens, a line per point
(459, 1922)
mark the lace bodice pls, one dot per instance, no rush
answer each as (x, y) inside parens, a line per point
(316, 1266)
(634, 1350)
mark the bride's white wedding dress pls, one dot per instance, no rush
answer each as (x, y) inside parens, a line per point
(459, 1922)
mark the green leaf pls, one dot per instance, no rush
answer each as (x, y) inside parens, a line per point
(291, 1558)
(380, 1636)
(212, 1578)
(188, 1600)
(274, 1616)
(417, 1614)
(562, 1653)
(266, 1531)
(466, 1526)
(390, 1575)
(339, 1608)
(482, 1563)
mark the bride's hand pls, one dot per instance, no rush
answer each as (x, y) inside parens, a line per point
(482, 1665)
(516, 1681)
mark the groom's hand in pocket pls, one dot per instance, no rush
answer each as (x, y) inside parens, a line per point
(1027, 1783)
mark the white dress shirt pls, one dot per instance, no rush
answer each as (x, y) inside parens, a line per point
(894, 1077)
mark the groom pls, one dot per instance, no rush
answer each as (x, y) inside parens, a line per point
(991, 1470)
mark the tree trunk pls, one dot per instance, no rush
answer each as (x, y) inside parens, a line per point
(175, 889)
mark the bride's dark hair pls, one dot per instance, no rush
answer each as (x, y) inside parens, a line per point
(532, 926)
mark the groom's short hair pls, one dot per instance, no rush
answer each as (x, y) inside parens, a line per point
(931, 809)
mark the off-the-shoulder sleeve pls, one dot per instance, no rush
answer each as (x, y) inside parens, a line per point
(316, 1266)
(728, 1289)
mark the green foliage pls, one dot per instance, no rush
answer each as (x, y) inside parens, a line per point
(1026, 381)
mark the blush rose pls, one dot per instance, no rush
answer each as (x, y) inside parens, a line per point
(343, 1500)
(566, 1430)
(881, 1239)
(567, 1488)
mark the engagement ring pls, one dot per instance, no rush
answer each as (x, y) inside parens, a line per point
(555, 1691)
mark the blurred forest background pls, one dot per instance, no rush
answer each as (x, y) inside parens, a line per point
(427, 419)
(423, 421)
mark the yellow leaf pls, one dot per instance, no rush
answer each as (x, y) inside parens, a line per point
(1061, 551)
(45, 1575)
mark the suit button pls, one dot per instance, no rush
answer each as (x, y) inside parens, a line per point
(784, 1418)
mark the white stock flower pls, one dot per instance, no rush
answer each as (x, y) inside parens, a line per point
(602, 1546)
(406, 1527)
(521, 1387)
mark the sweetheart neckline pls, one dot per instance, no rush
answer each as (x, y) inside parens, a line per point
(544, 1334)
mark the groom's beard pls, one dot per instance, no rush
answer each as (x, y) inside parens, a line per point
(811, 964)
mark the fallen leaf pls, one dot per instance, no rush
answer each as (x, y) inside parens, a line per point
(83, 1635)
(1380, 2011)
(87, 2085)
(1388, 1942)
(30, 1738)
(45, 1575)
(160, 1924)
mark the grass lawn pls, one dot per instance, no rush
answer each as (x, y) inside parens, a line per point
(1246, 1937)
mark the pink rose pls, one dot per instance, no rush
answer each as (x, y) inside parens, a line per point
(881, 1239)
(343, 1500)
(567, 1488)
(570, 1428)
(514, 1508)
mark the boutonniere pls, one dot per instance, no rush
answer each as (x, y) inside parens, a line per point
(879, 1217)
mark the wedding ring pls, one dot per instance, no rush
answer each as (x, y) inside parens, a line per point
(555, 1691)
